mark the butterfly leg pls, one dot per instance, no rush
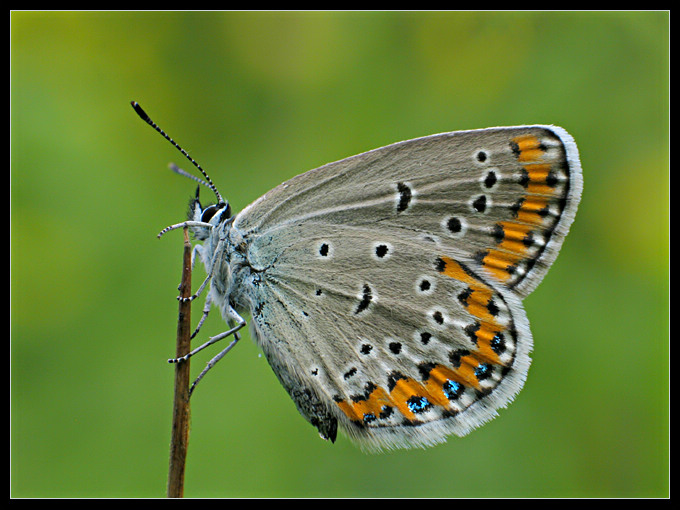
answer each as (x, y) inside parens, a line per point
(213, 362)
(216, 256)
(206, 311)
(240, 322)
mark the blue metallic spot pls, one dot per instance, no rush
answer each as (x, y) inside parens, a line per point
(418, 404)
(482, 371)
(369, 417)
(452, 389)
(498, 343)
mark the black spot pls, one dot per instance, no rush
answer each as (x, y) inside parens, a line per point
(551, 180)
(454, 225)
(498, 343)
(463, 296)
(404, 197)
(517, 206)
(455, 356)
(323, 250)
(393, 378)
(514, 147)
(350, 373)
(524, 178)
(490, 179)
(385, 412)
(471, 331)
(368, 389)
(440, 265)
(528, 239)
(425, 337)
(318, 292)
(424, 286)
(452, 389)
(483, 371)
(480, 256)
(492, 307)
(366, 348)
(498, 233)
(544, 212)
(481, 156)
(381, 250)
(479, 204)
(315, 371)
(369, 418)
(366, 299)
(438, 317)
(425, 369)
(418, 404)
(395, 347)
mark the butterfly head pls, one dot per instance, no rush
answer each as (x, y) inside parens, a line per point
(213, 214)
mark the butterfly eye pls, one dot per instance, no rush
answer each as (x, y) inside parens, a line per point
(208, 213)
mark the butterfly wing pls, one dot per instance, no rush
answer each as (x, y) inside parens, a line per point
(389, 284)
(504, 197)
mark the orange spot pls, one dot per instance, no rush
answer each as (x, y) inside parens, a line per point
(498, 262)
(485, 334)
(454, 270)
(438, 376)
(514, 235)
(529, 148)
(529, 210)
(538, 176)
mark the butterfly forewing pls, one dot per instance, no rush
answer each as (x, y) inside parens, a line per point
(504, 197)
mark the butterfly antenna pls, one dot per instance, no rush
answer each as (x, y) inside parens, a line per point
(208, 181)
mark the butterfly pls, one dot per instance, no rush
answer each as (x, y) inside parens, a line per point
(385, 289)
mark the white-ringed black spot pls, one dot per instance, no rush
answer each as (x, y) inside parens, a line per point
(405, 195)
(479, 204)
(382, 251)
(438, 317)
(425, 337)
(424, 286)
(454, 225)
(482, 156)
(490, 180)
(395, 347)
(324, 250)
(366, 349)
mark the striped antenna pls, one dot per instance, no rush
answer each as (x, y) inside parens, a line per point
(151, 123)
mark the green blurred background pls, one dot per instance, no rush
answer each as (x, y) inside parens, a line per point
(257, 98)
